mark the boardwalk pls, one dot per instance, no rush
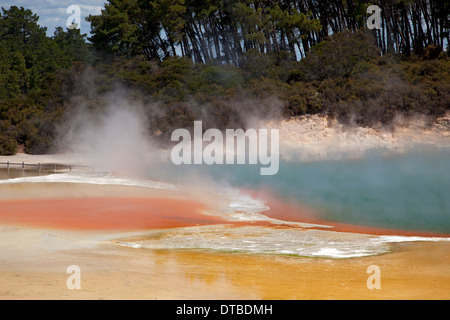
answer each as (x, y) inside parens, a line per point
(24, 164)
(43, 168)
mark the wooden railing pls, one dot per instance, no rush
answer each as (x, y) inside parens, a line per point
(44, 167)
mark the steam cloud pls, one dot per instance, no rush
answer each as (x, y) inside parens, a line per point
(115, 139)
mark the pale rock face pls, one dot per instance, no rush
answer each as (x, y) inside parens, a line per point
(315, 136)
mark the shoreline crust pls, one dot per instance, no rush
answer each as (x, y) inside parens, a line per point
(409, 271)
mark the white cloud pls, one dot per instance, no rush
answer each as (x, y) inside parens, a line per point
(52, 13)
(94, 10)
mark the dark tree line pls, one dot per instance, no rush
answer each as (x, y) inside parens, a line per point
(409, 26)
(225, 31)
(219, 61)
(29, 61)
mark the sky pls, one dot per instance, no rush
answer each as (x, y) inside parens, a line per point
(53, 13)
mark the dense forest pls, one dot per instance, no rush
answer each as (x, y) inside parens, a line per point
(220, 61)
(224, 31)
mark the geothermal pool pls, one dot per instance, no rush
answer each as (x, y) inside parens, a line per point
(338, 208)
(384, 189)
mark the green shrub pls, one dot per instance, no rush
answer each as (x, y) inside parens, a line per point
(8, 146)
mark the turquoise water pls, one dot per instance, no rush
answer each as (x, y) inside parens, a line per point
(409, 191)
